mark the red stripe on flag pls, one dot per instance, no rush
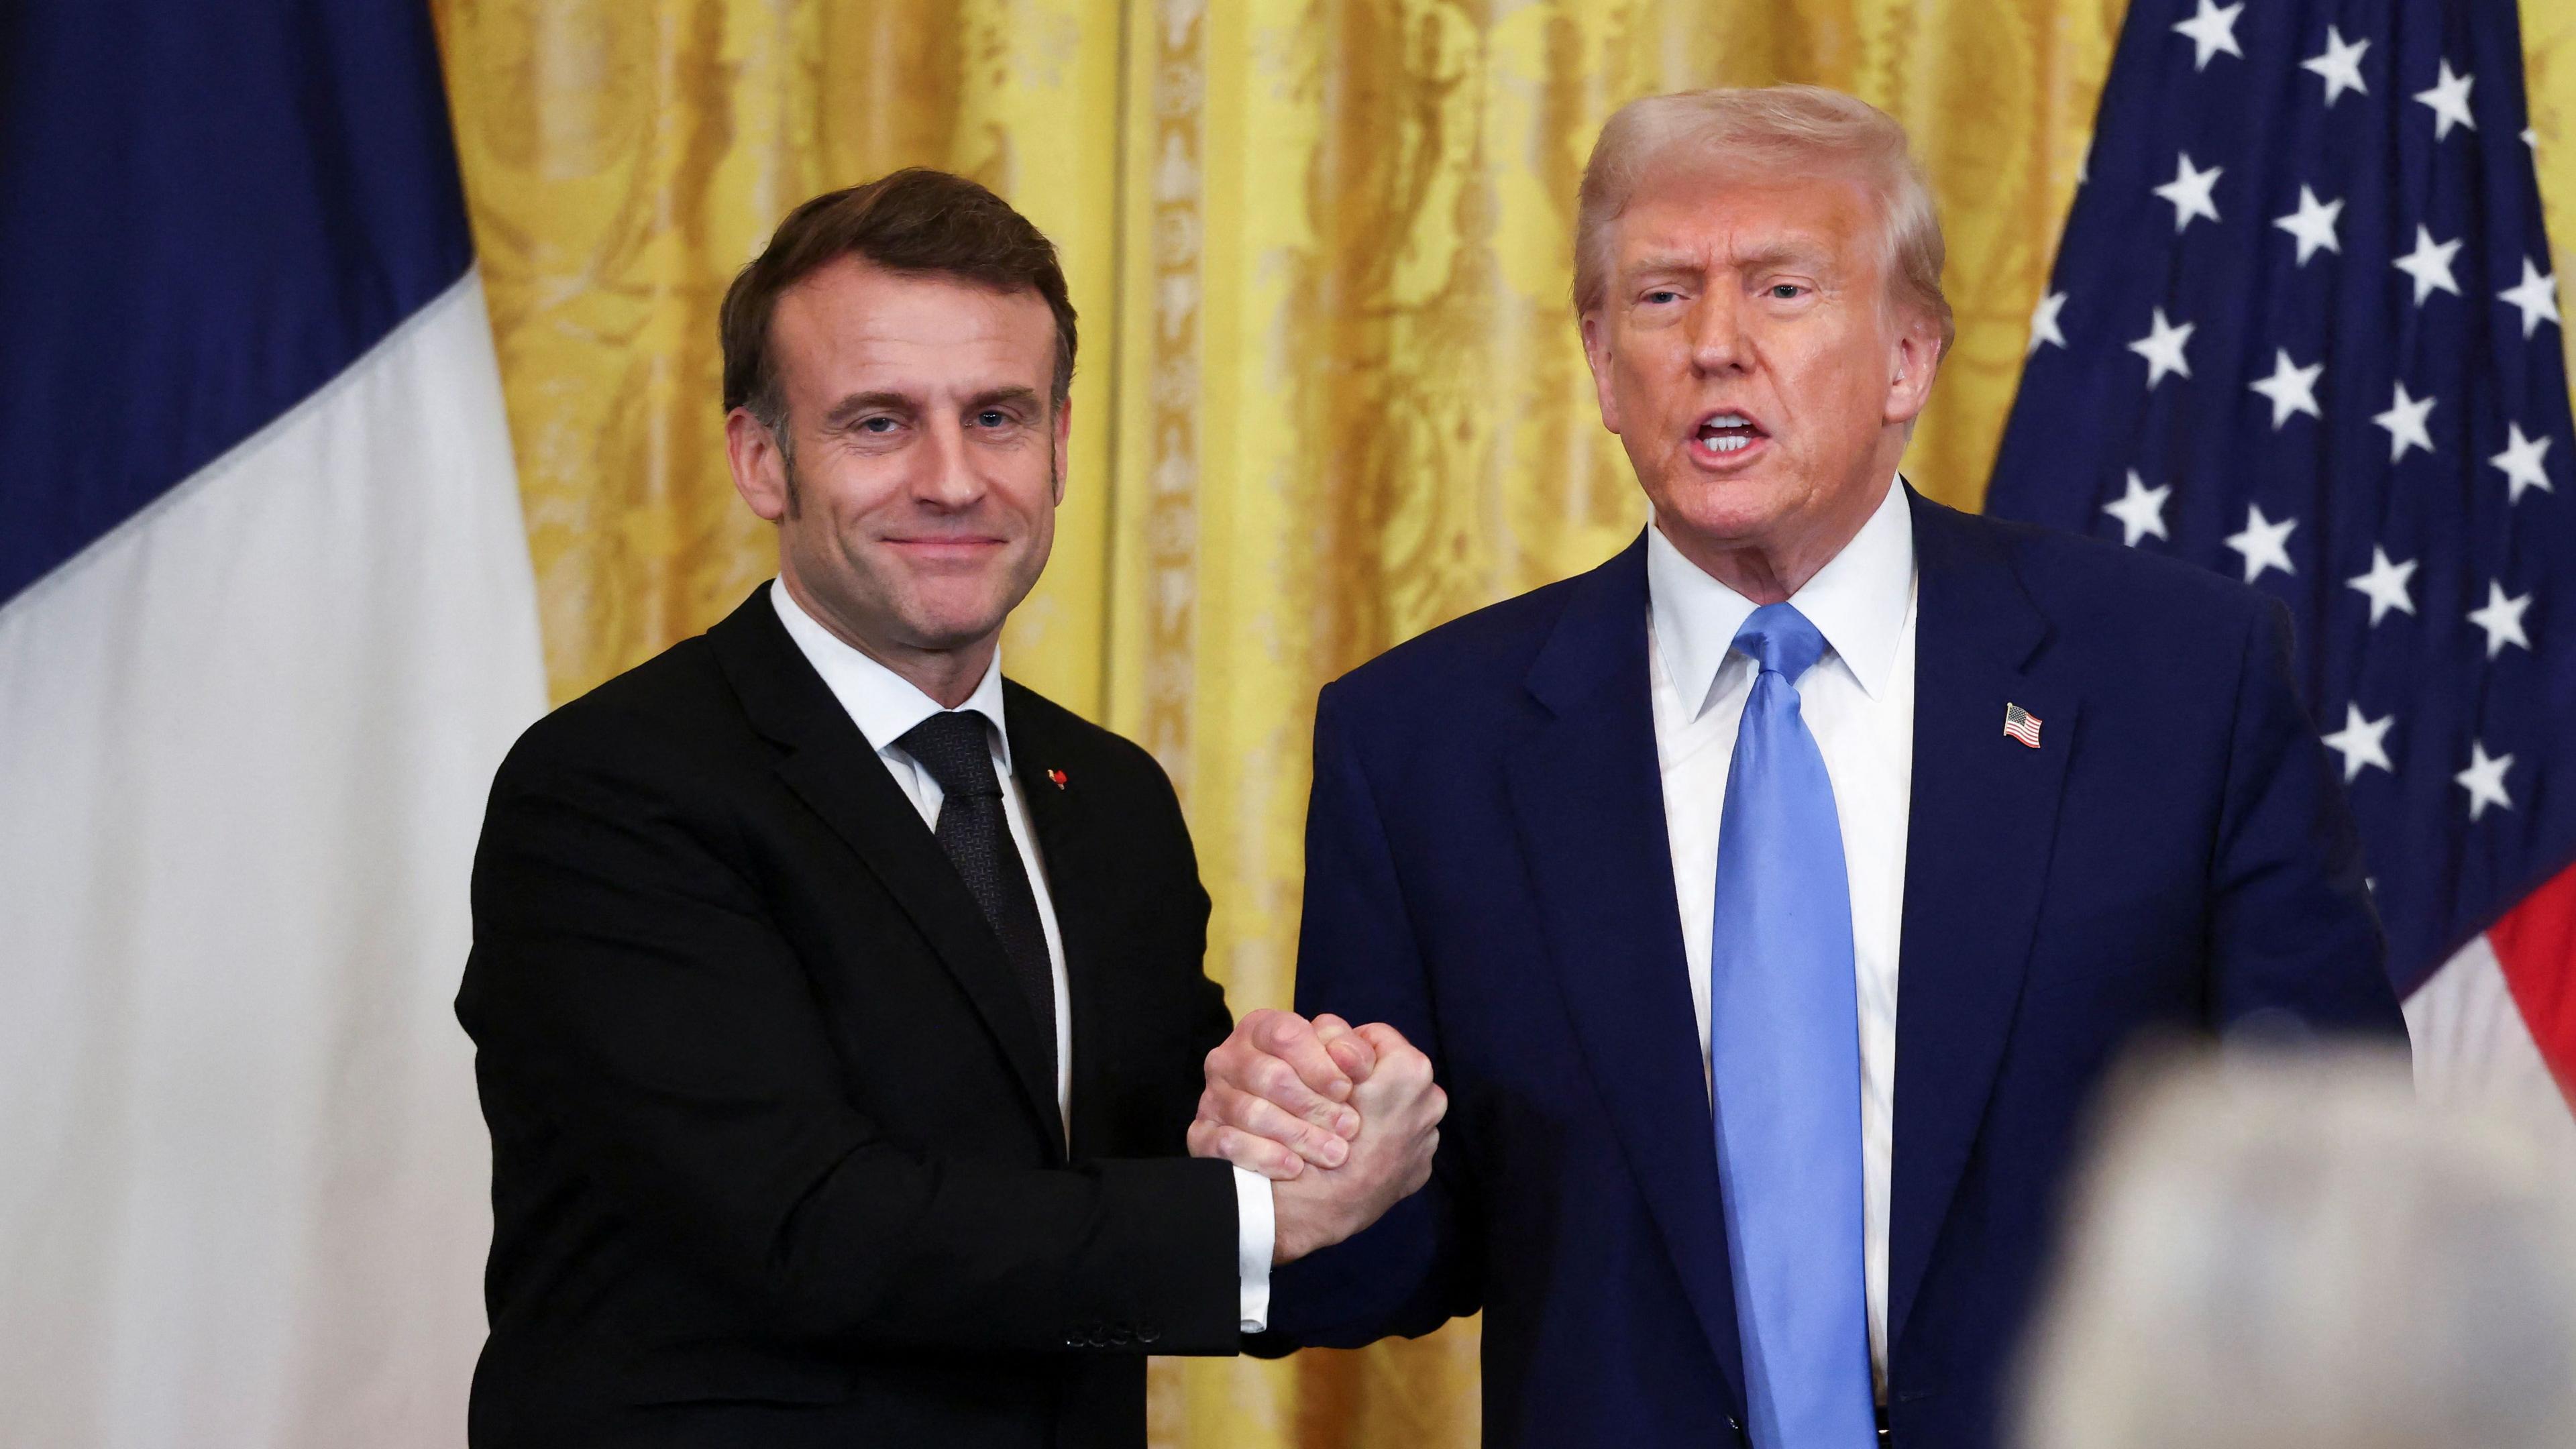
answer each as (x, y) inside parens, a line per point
(2536, 943)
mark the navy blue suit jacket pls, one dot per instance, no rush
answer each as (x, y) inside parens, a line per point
(1487, 870)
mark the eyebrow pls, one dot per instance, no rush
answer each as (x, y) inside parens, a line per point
(1792, 251)
(1661, 262)
(1802, 251)
(992, 397)
(850, 409)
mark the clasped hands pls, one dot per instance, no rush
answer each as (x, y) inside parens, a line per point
(1343, 1120)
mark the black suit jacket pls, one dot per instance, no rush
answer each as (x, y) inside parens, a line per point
(776, 1160)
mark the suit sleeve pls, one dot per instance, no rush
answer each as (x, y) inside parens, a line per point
(1211, 1018)
(627, 979)
(1358, 957)
(2293, 939)
(1256, 1233)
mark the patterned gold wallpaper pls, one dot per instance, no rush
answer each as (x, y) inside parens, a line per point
(1330, 393)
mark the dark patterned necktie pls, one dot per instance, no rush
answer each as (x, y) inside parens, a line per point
(977, 836)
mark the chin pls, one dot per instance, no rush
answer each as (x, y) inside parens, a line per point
(1724, 509)
(949, 612)
(935, 628)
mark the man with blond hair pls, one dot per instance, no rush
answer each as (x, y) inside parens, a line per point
(1771, 898)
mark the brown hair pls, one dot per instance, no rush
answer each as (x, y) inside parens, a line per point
(915, 221)
(1792, 130)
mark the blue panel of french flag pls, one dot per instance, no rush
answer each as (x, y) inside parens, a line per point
(267, 622)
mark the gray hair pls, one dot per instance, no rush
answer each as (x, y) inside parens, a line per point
(2290, 1252)
(1792, 130)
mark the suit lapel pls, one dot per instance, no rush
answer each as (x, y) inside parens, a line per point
(1079, 881)
(836, 772)
(1981, 826)
(1588, 791)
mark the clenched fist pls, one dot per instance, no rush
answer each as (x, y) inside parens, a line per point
(1276, 1103)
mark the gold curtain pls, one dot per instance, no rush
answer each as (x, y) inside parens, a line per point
(1329, 395)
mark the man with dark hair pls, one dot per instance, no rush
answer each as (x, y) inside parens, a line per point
(839, 1004)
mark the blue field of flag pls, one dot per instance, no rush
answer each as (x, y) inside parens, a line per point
(2302, 330)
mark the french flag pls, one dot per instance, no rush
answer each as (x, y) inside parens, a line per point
(267, 623)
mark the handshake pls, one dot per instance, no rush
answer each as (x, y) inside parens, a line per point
(1343, 1120)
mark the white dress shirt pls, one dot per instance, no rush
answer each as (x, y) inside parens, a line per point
(886, 706)
(1858, 701)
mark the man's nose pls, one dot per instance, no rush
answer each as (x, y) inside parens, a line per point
(1717, 332)
(946, 477)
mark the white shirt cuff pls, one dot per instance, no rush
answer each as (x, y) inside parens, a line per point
(1256, 1234)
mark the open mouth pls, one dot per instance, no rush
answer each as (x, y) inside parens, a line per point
(1727, 437)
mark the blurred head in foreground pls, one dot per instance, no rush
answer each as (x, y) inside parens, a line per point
(2282, 1251)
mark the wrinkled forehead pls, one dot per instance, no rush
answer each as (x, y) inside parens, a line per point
(1747, 212)
(852, 322)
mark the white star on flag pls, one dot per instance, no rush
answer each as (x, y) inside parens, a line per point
(2429, 264)
(2361, 742)
(2521, 463)
(2292, 388)
(2484, 779)
(2043, 323)
(2162, 348)
(2449, 99)
(2385, 584)
(2141, 510)
(2502, 620)
(2264, 543)
(2404, 421)
(2212, 29)
(2189, 191)
(2313, 224)
(2340, 65)
(2356, 427)
(2536, 295)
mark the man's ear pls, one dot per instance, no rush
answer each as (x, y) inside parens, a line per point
(1063, 444)
(1912, 362)
(1596, 355)
(759, 469)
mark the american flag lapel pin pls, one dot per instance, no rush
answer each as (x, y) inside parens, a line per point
(1058, 777)
(2022, 725)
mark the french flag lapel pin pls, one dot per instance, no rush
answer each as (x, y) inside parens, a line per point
(2022, 725)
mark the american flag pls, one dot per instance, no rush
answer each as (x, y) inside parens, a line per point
(2022, 725)
(2303, 328)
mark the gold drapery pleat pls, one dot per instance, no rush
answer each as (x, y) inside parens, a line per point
(1330, 394)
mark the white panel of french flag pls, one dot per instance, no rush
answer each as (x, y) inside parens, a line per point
(267, 623)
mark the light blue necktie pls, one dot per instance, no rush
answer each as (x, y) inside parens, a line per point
(1784, 1060)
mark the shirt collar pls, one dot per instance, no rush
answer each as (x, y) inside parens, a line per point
(883, 704)
(1857, 601)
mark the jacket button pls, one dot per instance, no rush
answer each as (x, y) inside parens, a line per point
(1121, 1335)
(1147, 1333)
